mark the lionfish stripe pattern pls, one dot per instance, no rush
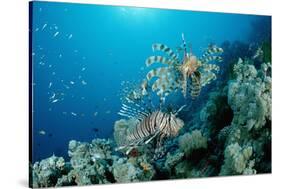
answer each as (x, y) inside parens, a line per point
(207, 78)
(208, 54)
(210, 67)
(167, 50)
(189, 74)
(211, 58)
(149, 126)
(195, 85)
(157, 72)
(155, 59)
(213, 49)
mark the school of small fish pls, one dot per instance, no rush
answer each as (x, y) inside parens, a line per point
(56, 86)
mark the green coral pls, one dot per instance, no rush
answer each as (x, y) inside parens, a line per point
(192, 141)
(249, 96)
(237, 160)
(266, 48)
(173, 159)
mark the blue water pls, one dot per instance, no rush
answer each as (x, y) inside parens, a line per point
(82, 53)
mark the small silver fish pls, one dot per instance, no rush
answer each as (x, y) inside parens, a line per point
(56, 34)
(74, 114)
(42, 132)
(55, 100)
(66, 86)
(53, 96)
(84, 82)
(44, 26)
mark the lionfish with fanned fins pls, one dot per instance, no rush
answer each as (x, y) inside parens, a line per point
(190, 73)
(150, 125)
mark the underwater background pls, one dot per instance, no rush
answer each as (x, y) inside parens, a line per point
(82, 55)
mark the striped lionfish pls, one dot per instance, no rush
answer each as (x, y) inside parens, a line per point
(149, 125)
(191, 73)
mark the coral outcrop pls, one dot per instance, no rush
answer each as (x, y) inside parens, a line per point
(237, 160)
(132, 170)
(192, 141)
(91, 163)
(46, 172)
(249, 96)
(229, 134)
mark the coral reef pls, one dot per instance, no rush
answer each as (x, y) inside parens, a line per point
(249, 96)
(250, 112)
(229, 133)
(91, 163)
(46, 172)
(237, 160)
(132, 170)
(192, 141)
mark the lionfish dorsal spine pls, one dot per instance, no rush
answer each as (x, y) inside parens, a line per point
(132, 112)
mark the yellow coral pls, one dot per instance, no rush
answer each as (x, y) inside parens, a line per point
(145, 166)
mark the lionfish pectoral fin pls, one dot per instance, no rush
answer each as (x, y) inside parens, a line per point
(120, 148)
(129, 150)
(129, 146)
(159, 141)
(134, 145)
(152, 137)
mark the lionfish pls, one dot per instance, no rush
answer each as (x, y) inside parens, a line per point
(190, 73)
(149, 125)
